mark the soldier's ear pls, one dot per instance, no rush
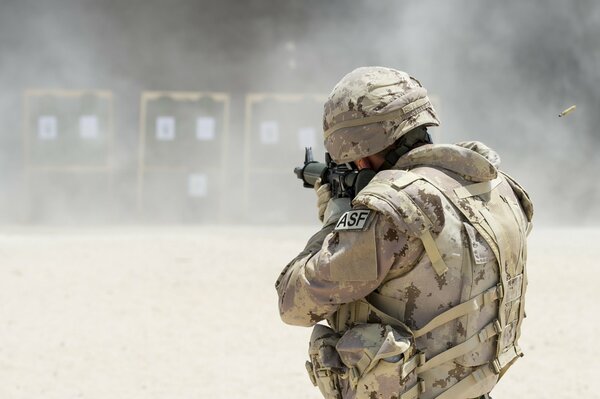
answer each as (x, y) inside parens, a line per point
(363, 163)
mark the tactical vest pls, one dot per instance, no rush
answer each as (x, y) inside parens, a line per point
(466, 332)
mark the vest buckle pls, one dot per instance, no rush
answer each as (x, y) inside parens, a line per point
(496, 366)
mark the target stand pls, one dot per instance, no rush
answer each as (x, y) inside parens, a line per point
(68, 149)
(183, 139)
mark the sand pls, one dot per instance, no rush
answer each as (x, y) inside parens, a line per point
(184, 313)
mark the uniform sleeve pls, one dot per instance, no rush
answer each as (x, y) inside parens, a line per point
(338, 267)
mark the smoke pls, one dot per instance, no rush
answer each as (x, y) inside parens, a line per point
(502, 72)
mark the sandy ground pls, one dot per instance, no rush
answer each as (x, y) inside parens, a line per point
(180, 313)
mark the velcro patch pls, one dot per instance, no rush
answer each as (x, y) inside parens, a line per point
(353, 220)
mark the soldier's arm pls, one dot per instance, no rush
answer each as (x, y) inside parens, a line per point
(340, 266)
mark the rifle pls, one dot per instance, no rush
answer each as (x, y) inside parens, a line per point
(345, 179)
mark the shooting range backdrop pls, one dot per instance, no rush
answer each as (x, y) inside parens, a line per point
(67, 139)
(183, 142)
(182, 174)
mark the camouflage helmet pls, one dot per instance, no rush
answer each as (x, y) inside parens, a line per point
(370, 108)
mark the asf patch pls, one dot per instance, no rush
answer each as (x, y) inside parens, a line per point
(354, 220)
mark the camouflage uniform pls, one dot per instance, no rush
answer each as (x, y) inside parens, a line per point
(416, 300)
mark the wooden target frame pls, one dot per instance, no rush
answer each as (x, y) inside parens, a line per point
(144, 168)
(35, 169)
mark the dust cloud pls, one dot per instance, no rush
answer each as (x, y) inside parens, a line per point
(190, 311)
(501, 72)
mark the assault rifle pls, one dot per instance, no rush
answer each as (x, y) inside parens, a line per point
(345, 179)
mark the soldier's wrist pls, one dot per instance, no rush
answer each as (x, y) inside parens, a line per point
(335, 209)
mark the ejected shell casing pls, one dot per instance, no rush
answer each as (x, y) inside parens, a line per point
(567, 111)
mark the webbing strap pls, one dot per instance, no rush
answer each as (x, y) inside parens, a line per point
(391, 306)
(501, 239)
(515, 288)
(477, 188)
(521, 224)
(507, 358)
(363, 307)
(360, 368)
(457, 391)
(464, 308)
(524, 227)
(406, 179)
(388, 308)
(361, 311)
(412, 363)
(414, 392)
(522, 308)
(489, 331)
(412, 107)
(502, 248)
(433, 253)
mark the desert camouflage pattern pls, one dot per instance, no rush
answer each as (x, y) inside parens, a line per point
(401, 278)
(396, 101)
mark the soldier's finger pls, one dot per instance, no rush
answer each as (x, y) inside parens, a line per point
(317, 184)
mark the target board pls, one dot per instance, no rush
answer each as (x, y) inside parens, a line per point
(183, 139)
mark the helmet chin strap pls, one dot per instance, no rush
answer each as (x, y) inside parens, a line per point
(411, 140)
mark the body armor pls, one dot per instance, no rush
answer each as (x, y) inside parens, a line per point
(462, 304)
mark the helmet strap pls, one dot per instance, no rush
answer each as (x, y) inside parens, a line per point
(411, 140)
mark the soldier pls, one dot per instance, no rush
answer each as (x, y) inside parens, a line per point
(421, 278)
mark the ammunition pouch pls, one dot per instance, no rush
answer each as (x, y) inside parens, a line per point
(362, 359)
(325, 367)
(375, 355)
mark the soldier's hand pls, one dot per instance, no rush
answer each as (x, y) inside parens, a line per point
(323, 197)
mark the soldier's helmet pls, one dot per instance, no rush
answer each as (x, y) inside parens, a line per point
(370, 108)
